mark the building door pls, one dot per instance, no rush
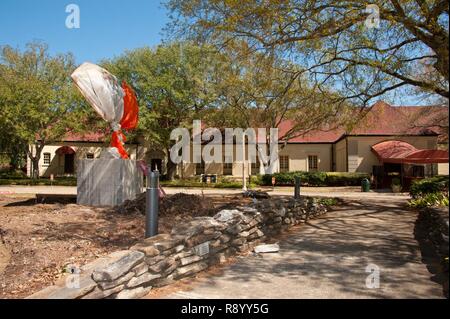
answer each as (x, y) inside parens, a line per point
(391, 171)
(156, 164)
(378, 174)
(69, 163)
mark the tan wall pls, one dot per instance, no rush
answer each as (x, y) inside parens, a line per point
(298, 156)
(443, 168)
(56, 166)
(298, 161)
(341, 155)
(189, 169)
(361, 157)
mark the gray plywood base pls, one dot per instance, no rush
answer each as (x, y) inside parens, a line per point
(107, 182)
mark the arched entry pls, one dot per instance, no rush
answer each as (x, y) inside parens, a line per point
(67, 155)
(402, 160)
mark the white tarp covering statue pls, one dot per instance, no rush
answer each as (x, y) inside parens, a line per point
(116, 104)
(112, 178)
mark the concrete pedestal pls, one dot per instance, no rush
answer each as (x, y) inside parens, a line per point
(107, 182)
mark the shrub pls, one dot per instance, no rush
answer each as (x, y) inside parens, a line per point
(426, 186)
(7, 174)
(314, 179)
(429, 192)
(328, 201)
(439, 199)
(345, 179)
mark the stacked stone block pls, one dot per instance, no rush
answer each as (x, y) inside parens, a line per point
(190, 248)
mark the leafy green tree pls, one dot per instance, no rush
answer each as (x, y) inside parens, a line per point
(11, 147)
(179, 82)
(38, 101)
(173, 83)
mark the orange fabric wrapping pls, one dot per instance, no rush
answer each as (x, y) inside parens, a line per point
(117, 142)
(130, 109)
(129, 120)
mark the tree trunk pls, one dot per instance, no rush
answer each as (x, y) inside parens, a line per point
(35, 168)
(13, 163)
(170, 168)
(270, 167)
(35, 159)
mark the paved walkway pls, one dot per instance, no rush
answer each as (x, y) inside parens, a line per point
(328, 258)
(343, 192)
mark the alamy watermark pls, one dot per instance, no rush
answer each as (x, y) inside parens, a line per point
(73, 277)
(212, 145)
(73, 19)
(373, 19)
(373, 279)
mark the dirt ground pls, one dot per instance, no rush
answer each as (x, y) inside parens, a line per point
(38, 242)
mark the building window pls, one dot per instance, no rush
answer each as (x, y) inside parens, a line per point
(228, 169)
(47, 158)
(284, 164)
(313, 163)
(200, 168)
(90, 155)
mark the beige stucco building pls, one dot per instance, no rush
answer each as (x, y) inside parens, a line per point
(61, 158)
(326, 151)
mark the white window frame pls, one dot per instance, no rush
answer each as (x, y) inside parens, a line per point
(45, 159)
(284, 170)
(316, 169)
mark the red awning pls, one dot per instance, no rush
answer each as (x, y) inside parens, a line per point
(402, 152)
(65, 150)
(427, 156)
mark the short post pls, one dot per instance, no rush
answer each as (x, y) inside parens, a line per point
(152, 205)
(297, 187)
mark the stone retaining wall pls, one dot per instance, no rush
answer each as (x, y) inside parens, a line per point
(432, 233)
(189, 249)
(435, 223)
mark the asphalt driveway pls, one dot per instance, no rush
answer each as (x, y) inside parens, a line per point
(331, 257)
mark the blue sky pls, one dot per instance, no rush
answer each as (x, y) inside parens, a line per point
(107, 27)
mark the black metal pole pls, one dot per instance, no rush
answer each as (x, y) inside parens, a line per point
(152, 205)
(297, 187)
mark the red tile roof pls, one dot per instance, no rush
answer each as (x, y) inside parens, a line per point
(86, 137)
(382, 119)
(315, 136)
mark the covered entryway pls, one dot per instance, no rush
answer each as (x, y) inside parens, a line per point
(404, 161)
(66, 156)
